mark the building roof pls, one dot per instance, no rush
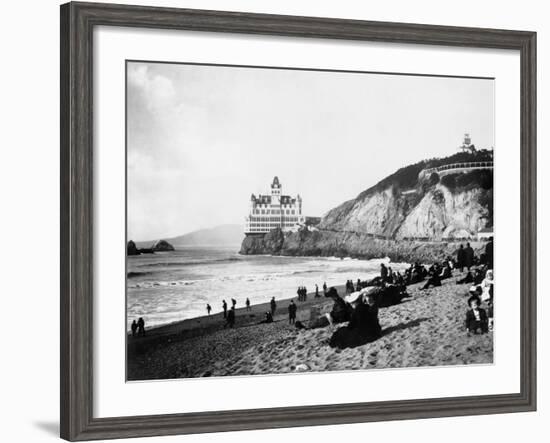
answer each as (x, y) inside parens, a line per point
(275, 183)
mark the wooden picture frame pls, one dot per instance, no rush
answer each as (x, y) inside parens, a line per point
(77, 23)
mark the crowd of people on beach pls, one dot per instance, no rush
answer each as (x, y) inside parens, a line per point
(359, 307)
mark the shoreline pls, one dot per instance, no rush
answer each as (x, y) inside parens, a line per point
(425, 329)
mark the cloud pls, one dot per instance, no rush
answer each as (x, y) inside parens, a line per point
(157, 91)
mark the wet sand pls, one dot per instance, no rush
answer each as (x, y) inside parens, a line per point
(426, 329)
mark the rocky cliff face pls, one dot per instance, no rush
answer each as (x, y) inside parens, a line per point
(434, 213)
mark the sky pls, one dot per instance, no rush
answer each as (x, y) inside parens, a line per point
(201, 139)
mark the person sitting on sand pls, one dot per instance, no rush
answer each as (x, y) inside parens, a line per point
(134, 328)
(490, 305)
(486, 286)
(208, 308)
(468, 278)
(340, 312)
(141, 326)
(476, 318)
(230, 321)
(273, 305)
(446, 272)
(434, 279)
(268, 318)
(292, 308)
(247, 304)
(363, 326)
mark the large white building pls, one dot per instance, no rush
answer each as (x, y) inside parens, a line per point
(268, 212)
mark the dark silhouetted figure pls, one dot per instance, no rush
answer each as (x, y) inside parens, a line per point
(247, 304)
(273, 306)
(224, 305)
(134, 328)
(468, 256)
(268, 318)
(208, 309)
(233, 303)
(362, 328)
(489, 253)
(141, 326)
(383, 272)
(230, 321)
(468, 278)
(434, 280)
(460, 258)
(317, 290)
(325, 287)
(292, 308)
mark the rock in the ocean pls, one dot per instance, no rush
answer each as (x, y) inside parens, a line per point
(163, 245)
(131, 248)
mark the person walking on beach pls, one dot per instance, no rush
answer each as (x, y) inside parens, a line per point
(247, 304)
(134, 328)
(273, 306)
(304, 292)
(468, 256)
(299, 293)
(141, 326)
(224, 305)
(230, 321)
(292, 308)
(325, 288)
(316, 290)
(208, 308)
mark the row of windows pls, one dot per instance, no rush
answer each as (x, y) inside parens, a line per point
(283, 205)
(274, 211)
(273, 219)
(271, 225)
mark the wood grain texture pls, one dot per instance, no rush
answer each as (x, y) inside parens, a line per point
(77, 23)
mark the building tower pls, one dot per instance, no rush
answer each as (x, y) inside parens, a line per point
(276, 190)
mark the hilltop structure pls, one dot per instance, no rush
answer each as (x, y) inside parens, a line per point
(273, 211)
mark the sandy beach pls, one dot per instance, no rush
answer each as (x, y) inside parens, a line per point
(425, 329)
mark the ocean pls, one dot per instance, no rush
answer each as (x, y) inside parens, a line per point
(170, 286)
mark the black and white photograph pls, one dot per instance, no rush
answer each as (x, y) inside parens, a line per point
(286, 220)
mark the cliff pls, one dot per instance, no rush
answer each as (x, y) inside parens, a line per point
(407, 216)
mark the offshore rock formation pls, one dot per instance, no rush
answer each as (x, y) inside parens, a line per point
(405, 217)
(131, 248)
(162, 245)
